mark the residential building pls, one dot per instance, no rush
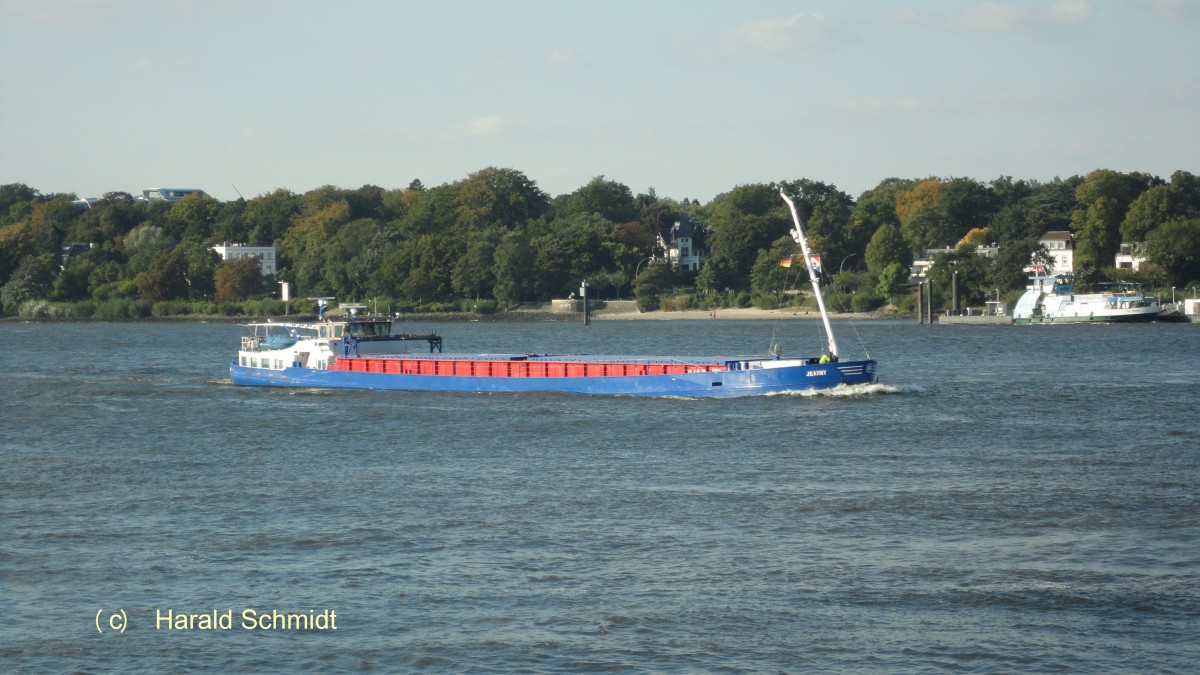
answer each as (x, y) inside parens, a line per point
(1129, 257)
(1061, 247)
(265, 255)
(920, 266)
(684, 244)
(167, 194)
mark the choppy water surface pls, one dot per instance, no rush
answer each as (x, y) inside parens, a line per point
(1010, 498)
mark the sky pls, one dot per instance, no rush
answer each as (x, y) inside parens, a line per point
(690, 98)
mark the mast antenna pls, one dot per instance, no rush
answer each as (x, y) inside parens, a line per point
(798, 235)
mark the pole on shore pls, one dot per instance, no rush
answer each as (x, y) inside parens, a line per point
(587, 305)
(929, 299)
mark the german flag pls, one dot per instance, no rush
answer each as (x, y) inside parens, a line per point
(786, 262)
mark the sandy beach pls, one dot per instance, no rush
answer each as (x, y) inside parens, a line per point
(629, 313)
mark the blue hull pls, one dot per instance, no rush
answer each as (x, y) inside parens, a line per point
(724, 384)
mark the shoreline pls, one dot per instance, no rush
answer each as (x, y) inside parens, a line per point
(731, 314)
(528, 314)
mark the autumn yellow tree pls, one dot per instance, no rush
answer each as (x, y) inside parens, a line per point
(978, 236)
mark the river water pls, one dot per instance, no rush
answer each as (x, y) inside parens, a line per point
(1007, 499)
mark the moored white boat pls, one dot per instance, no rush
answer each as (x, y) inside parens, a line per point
(1050, 298)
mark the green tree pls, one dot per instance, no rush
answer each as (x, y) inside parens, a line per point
(967, 205)
(972, 279)
(1102, 200)
(570, 253)
(887, 248)
(1097, 240)
(654, 280)
(1161, 203)
(498, 197)
(769, 278)
(718, 275)
(893, 280)
(201, 262)
(143, 245)
(146, 236)
(734, 246)
(15, 198)
(473, 274)
(514, 260)
(611, 200)
(1174, 246)
(875, 208)
(1007, 270)
(267, 217)
(15, 244)
(430, 211)
(230, 226)
(50, 221)
(340, 254)
(192, 216)
(430, 263)
(303, 249)
(108, 220)
(32, 280)
(239, 279)
(104, 274)
(825, 213)
(72, 282)
(165, 279)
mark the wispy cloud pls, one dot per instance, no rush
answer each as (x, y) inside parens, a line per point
(991, 15)
(92, 12)
(1173, 9)
(562, 57)
(780, 34)
(879, 105)
(488, 126)
(148, 66)
(52, 12)
(492, 125)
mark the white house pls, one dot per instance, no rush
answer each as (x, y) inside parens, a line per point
(684, 244)
(265, 255)
(160, 194)
(1061, 246)
(1129, 257)
(920, 266)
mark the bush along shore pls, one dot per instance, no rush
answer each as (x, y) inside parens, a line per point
(126, 309)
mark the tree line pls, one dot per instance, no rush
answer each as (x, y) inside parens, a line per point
(494, 240)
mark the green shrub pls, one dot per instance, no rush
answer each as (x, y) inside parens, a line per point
(116, 289)
(122, 308)
(867, 300)
(484, 307)
(675, 303)
(905, 303)
(167, 308)
(765, 301)
(837, 301)
(739, 299)
(647, 303)
(34, 309)
(263, 307)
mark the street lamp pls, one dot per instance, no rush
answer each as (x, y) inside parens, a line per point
(844, 261)
(638, 269)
